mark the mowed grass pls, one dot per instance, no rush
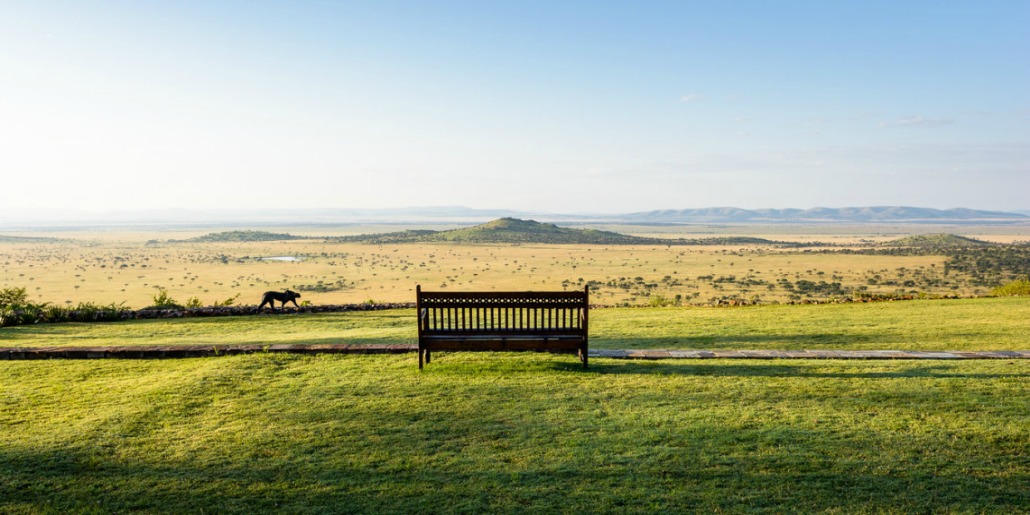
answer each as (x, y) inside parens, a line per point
(966, 324)
(528, 433)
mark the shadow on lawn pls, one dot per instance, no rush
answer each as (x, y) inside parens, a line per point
(784, 368)
(716, 472)
(505, 364)
(780, 341)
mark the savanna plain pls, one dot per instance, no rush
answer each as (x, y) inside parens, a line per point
(526, 432)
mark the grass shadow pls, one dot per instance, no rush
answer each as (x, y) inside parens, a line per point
(784, 368)
(781, 341)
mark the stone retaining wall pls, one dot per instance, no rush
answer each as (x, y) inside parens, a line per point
(230, 311)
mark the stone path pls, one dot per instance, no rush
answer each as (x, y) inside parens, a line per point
(190, 351)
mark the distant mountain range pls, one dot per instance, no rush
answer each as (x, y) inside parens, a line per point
(464, 215)
(515, 231)
(823, 214)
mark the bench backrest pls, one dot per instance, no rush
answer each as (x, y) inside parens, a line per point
(517, 312)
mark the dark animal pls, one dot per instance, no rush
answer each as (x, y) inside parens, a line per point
(282, 296)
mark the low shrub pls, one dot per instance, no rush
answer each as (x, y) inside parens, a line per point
(1012, 289)
(16, 309)
(164, 301)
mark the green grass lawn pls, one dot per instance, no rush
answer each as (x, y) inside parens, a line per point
(513, 433)
(969, 324)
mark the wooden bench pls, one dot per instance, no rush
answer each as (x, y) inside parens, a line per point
(552, 321)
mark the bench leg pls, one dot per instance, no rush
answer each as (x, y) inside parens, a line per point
(428, 356)
(583, 356)
(420, 351)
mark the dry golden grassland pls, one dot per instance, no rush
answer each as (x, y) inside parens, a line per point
(132, 267)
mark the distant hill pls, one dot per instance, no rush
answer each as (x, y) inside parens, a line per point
(230, 236)
(514, 230)
(823, 214)
(506, 230)
(936, 241)
(28, 239)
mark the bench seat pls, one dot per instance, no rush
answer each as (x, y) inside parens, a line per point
(502, 321)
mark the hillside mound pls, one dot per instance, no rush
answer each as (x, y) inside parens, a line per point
(232, 236)
(937, 240)
(505, 230)
(515, 231)
(29, 239)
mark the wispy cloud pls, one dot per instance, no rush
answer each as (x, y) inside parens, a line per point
(690, 97)
(917, 122)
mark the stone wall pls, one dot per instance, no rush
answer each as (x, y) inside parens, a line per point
(232, 311)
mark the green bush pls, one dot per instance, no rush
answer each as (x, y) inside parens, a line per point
(659, 301)
(11, 297)
(15, 308)
(1012, 289)
(89, 312)
(163, 301)
(227, 302)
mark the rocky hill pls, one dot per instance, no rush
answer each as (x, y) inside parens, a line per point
(505, 230)
(515, 231)
(230, 236)
(936, 241)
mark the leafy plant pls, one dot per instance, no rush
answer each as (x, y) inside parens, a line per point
(228, 302)
(164, 301)
(1012, 289)
(10, 297)
(89, 312)
(15, 308)
(659, 301)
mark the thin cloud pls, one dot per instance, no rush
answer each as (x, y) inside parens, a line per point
(917, 122)
(690, 98)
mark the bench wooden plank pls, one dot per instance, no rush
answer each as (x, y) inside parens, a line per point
(552, 321)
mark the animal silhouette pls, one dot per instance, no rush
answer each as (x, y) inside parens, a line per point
(285, 296)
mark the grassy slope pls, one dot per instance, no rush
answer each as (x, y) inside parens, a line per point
(507, 230)
(75, 272)
(936, 241)
(514, 230)
(972, 324)
(526, 433)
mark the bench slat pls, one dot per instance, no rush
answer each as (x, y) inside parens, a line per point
(516, 318)
(501, 345)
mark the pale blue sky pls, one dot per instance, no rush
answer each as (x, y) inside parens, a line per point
(543, 106)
